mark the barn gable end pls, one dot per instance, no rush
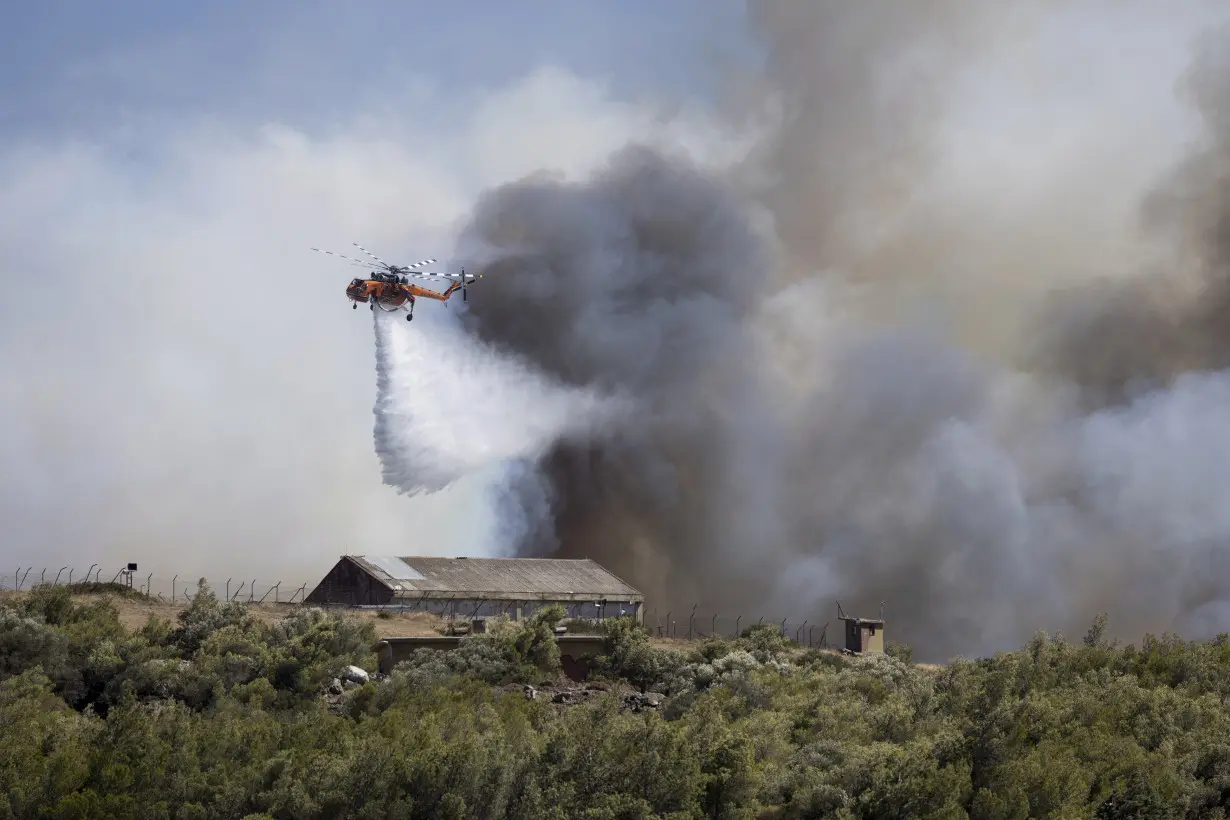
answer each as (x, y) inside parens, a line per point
(351, 584)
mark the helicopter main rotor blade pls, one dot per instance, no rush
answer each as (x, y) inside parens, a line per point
(362, 262)
(418, 264)
(386, 265)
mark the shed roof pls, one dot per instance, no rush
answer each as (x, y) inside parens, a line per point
(497, 578)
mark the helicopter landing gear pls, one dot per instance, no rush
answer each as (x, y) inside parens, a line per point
(355, 306)
(409, 317)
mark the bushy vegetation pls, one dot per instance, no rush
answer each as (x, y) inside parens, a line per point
(219, 715)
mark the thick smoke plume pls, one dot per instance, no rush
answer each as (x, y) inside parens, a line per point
(805, 428)
(1142, 332)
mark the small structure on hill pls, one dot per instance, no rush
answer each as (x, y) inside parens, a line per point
(862, 636)
(479, 587)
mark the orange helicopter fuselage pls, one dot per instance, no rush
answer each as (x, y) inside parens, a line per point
(393, 295)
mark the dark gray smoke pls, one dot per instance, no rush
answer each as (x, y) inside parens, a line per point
(799, 434)
(642, 282)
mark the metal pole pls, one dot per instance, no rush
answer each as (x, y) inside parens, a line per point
(89, 572)
(274, 590)
(228, 589)
(70, 577)
(740, 618)
(149, 586)
(173, 580)
(57, 580)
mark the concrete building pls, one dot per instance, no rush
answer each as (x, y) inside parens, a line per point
(863, 636)
(478, 587)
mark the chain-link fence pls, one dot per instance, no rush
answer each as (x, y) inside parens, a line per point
(176, 589)
(695, 625)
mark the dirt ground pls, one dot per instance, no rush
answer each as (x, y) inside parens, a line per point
(134, 614)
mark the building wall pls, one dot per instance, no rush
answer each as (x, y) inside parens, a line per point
(473, 608)
(347, 584)
(864, 637)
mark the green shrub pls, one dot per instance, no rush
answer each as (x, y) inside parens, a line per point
(224, 716)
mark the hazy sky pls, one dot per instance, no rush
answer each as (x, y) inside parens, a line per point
(185, 384)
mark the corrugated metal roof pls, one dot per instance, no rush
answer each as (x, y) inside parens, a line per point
(531, 577)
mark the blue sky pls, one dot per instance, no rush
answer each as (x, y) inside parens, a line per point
(74, 63)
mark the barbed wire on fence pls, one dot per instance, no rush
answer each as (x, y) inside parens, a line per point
(177, 589)
(687, 626)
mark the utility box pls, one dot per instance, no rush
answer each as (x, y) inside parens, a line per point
(863, 636)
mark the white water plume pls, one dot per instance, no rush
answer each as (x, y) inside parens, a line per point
(448, 406)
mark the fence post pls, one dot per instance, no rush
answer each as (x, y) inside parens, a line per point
(173, 580)
(252, 590)
(149, 585)
(57, 580)
(17, 581)
(89, 572)
(274, 590)
(798, 641)
(713, 625)
(228, 589)
(740, 618)
(70, 575)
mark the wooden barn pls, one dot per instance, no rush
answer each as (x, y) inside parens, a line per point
(478, 587)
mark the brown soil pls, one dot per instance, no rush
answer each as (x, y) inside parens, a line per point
(135, 613)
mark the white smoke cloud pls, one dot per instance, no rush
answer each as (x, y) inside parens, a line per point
(184, 383)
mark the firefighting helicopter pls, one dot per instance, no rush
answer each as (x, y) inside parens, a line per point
(388, 286)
